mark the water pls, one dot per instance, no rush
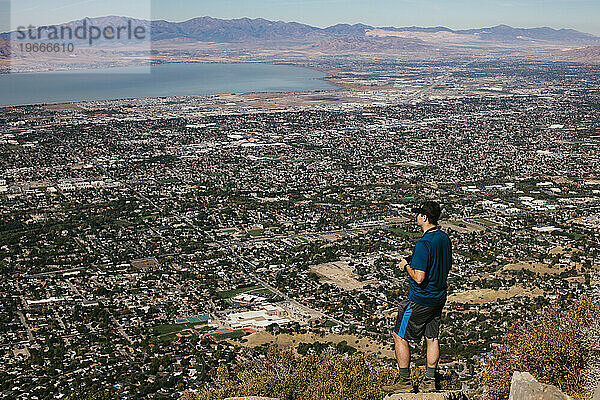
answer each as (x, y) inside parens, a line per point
(164, 80)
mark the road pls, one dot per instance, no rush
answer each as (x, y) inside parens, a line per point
(26, 325)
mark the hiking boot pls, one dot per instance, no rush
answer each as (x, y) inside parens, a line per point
(399, 385)
(431, 384)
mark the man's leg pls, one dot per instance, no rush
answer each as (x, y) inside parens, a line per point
(402, 351)
(403, 381)
(432, 331)
(433, 357)
(433, 352)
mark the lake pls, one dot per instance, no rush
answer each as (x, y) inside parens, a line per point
(164, 80)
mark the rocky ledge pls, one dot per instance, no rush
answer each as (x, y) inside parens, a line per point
(444, 395)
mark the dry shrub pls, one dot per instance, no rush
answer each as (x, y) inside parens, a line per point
(554, 349)
(284, 375)
(592, 372)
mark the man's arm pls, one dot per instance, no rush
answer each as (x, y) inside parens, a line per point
(417, 275)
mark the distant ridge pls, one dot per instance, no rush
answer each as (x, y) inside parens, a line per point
(345, 29)
(419, 29)
(589, 53)
(208, 29)
(4, 48)
(503, 32)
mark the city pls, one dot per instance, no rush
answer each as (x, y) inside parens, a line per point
(146, 242)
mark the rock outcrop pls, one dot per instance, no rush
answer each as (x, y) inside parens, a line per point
(250, 398)
(524, 387)
(444, 395)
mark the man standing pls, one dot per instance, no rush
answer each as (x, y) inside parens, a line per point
(420, 314)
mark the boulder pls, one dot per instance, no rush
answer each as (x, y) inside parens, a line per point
(250, 398)
(523, 386)
(443, 395)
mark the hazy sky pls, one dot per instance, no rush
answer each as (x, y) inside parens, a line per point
(577, 14)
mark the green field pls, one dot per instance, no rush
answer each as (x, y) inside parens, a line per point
(230, 335)
(174, 328)
(121, 223)
(464, 224)
(485, 222)
(263, 292)
(256, 232)
(227, 294)
(402, 232)
(166, 181)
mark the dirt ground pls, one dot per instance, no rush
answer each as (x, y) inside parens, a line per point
(338, 273)
(564, 250)
(482, 296)
(286, 341)
(468, 228)
(537, 267)
(332, 237)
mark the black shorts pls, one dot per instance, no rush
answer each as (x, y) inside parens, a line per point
(415, 320)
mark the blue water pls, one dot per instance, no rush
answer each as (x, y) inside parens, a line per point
(164, 80)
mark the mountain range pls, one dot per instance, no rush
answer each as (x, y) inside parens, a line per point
(208, 29)
(207, 39)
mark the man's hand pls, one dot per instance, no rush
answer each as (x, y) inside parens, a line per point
(403, 263)
(417, 275)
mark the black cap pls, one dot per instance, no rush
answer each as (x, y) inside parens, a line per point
(431, 209)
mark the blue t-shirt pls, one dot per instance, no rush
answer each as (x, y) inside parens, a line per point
(432, 254)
